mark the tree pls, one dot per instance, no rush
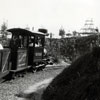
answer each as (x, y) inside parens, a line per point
(62, 33)
(3, 29)
(74, 33)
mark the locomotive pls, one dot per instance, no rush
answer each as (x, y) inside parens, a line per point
(25, 51)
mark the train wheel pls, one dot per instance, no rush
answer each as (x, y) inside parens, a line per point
(13, 75)
(34, 70)
(25, 72)
(22, 75)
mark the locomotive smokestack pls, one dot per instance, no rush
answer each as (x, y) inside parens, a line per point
(45, 31)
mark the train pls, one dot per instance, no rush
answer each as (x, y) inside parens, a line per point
(24, 52)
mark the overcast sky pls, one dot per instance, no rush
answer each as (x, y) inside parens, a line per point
(50, 14)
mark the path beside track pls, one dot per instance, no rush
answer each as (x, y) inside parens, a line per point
(10, 88)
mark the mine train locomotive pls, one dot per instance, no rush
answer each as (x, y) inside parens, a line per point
(25, 51)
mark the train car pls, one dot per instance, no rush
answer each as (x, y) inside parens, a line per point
(4, 62)
(36, 51)
(26, 50)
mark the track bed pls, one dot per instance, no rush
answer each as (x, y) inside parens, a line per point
(9, 88)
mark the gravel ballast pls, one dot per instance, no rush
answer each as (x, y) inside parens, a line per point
(8, 89)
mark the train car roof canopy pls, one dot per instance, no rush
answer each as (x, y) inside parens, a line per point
(20, 31)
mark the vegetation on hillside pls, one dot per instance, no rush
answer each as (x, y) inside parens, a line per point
(71, 48)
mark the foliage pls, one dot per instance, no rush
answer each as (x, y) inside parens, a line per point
(74, 33)
(4, 26)
(3, 39)
(53, 48)
(62, 33)
(3, 29)
(71, 48)
(79, 81)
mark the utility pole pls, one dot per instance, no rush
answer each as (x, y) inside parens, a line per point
(97, 30)
(50, 39)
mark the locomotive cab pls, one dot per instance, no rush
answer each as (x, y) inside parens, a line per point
(26, 50)
(18, 52)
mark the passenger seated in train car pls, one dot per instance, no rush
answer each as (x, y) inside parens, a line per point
(36, 45)
(14, 43)
(25, 41)
(38, 42)
(31, 42)
(20, 42)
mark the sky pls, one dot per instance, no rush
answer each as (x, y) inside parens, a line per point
(49, 14)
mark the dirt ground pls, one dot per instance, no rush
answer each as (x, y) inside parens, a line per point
(10, 88)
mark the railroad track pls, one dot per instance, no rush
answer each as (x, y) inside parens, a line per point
(11, 87)
(56, 66)
(47, 68)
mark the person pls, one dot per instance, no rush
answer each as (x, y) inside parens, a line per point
(31, 42)
(45, 52)
(1, 47)
(38, 42)
(14, 44)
